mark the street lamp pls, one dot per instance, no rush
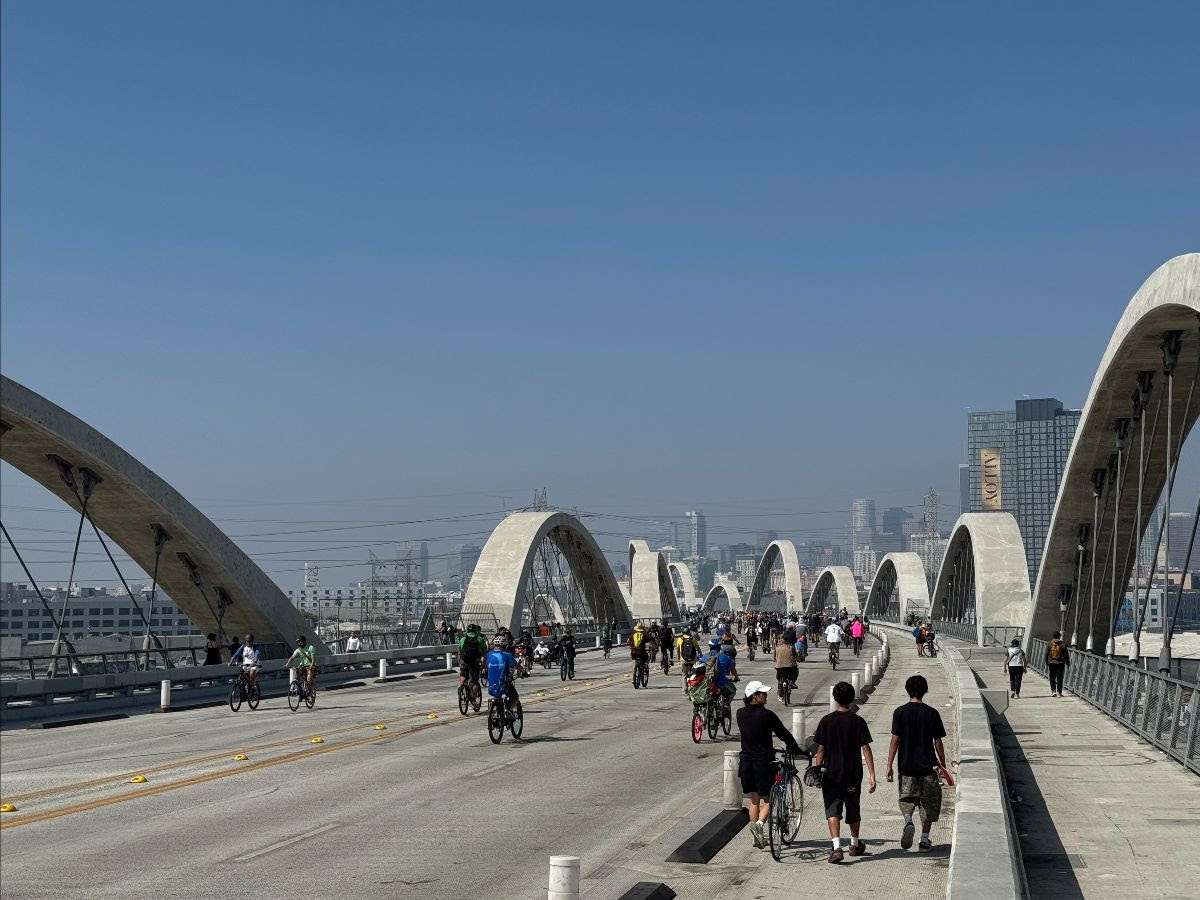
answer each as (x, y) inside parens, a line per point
(338, 604)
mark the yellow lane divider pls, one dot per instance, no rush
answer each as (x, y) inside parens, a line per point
(241, 757)
(138, 779)
(7, 807)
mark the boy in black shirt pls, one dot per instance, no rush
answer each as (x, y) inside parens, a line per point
(917, 733)
(756, 725)
(843, 741)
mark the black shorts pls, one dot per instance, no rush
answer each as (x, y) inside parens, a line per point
(841, 799)
(757, 777)
(469, 670)
(792, 673)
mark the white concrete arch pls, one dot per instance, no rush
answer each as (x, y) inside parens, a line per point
(723, 596)
(902, 574)
(834, 586)
(501, 575)
(1168, 301)
(650, 584)
(984, 578)
(785, 552)
(201, 569)
(685, 579)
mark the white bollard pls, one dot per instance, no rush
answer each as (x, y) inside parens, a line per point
(564, 878)
(597, 642)
(383, 668)
(731, 784)
(165, 696)
(798, 726)
(868, 674)
(449, 662)
(832, 703)
(855, 682)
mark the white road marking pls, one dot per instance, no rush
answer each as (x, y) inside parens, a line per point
(511, 762)
(292, 840)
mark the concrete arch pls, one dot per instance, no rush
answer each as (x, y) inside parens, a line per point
(903, 574)
(1169, 300)
(984, 578)
(208, 576)
(506, 561)
(836, 582)
(721, 597)
(784, 551)
(650, 582)
(546, 608)
(686, 580)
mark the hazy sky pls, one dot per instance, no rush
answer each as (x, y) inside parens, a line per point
(387, 262)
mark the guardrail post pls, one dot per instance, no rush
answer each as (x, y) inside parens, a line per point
(564, 878)
(868, 674)
(798, 726)
(164, 697)
(597, 642)
(855, 682)
(449, 662)
(383, 663)
(832, 703)
(730, 783)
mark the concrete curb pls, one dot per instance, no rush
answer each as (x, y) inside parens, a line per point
(712, 837)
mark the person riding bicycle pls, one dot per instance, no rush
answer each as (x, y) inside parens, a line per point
(752, 636)
(505, 635)
(471, 649)
(833, 639)
(305, 657)
(856, 633)
(249, 657)
(608, 634)
(687, 651)
(541, 653)
(500, 667)
(566, 644)
(720, 670)
(638, 646)
(666, 639)
(786, 666)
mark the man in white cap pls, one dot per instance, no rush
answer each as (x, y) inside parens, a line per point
(756, 724)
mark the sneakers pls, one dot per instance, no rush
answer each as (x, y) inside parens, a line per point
(925, 846)
(836, 856)
(756, 834)
(857, 849)
(906, 836)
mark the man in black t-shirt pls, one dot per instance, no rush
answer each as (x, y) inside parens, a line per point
(756, 769)
(917, 733)
(843, 742)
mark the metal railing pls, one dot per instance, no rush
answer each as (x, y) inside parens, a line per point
(964, 631)
(1157, 708)
(114, 662)
(1002, 635)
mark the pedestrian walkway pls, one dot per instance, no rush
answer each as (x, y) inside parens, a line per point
(1099, 813)
(886, 870)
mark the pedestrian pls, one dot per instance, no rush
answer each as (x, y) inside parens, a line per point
(918, 634)
(756, 724)
(1057, 660)
(843, 743)
(212, 651)
(234, 646)
(917, 733)
(354, 644)
(1014, 665)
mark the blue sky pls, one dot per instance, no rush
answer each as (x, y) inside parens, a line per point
(753, 259)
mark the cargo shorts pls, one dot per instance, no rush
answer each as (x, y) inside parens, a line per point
(921, 791)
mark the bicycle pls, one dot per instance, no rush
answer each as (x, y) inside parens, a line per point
(244, 689)
(750, 652)
(470, 695)
(785, 690)
(858, 642)
(665, 665)
(607, 648)
(566, 666)
(298, 692)
(504, 714)
(707, 716)
(786, 806)
(641, 674)
(834, 654)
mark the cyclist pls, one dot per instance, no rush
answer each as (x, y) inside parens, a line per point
(752, 637)
(524, 645)
(687, 650)
(305, 657)
(833, 639)
(542, 654)
(654, 642)
(638, 650)
(566, 644)
(719, 667)
(856, 633)
(786, 667)
(471, 649)
(607, 635)
(666, 639)
(756, 724)
(249, 657)
(500, 667)
(506, 636)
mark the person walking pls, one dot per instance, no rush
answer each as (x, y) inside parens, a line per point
(1057, 660)
(843, 743)
(756, 724)
(212, 651)
(917, 733)
(1014, 665)
(354, 642)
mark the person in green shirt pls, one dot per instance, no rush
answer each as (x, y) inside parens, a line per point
(304, 657)
(472, 647)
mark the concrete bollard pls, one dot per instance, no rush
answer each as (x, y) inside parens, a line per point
(449, 662)
(868, 674)
(832, 703)
(164, 698)
(798, 726)
(856, 682)
(564, 878)
(383, 668)
(597, 642)
(731, 784)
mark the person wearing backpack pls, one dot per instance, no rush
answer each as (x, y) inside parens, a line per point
(1014, 665)
(471, 648)
(1057, 660)
(638, 649)
(918, 634)
(687, 651)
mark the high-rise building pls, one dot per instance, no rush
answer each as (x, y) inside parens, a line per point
(463, 560)
(964, 488)
(866, 561)
(697, 535)
(413, 557)
(893, 519)
(862, 523)
(727, 555)
(1016, 460)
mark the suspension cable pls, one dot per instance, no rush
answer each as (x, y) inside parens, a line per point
(72, 653)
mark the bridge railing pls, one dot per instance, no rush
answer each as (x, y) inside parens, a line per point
(964, 631)
(1157, 708)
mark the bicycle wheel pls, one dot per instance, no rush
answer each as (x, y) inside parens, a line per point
(571, 671)
(253, 695)
(464, 699)
(726, 718)
(495, 722)
(476, 695)
(294, 696)
(697, 727)
(517, 723)
(714, 721)
(794, 793)
(310, 695)
(235, 696)
(777, 820)
(562, 670)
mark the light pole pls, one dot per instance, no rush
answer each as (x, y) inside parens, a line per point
(338, 604)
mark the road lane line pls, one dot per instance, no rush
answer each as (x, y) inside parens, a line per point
(246, 857)
(511, 762)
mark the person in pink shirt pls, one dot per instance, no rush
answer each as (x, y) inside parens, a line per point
(856, 634)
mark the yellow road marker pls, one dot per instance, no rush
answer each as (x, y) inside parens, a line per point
(241, 757)
(317, 740)
(7, 807)
(138, 779)
(432, 716)
(381, 727)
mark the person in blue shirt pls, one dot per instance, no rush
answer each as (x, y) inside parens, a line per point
(500, 667)
(720, 669)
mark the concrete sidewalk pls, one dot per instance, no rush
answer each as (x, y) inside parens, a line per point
(886, 870)
(1099, 813)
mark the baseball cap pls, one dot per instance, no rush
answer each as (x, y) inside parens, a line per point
(756, 687)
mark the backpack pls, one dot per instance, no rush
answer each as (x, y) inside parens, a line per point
(1056, 652)
(711, 666)
(470, 648)
(687, 650)
(637, 640)
(917, 632)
